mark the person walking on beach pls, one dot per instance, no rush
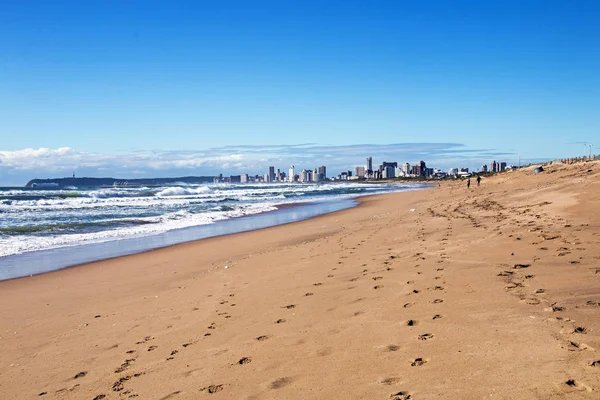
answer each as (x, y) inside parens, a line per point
(478, 180)
(468, 183)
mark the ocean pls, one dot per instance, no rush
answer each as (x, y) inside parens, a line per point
(48, 226)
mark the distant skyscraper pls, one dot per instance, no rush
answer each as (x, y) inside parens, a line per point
(494, 166)
(271, 174)
(244, 178)
(420, 169)
(484, 168)
(502, 166)
(278, 175)
(322, 173)
(292, 175)
(406, 168)
(369, 165)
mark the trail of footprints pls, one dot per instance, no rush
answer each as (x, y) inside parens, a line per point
(541, 229)
(519, 280)
(145, 345)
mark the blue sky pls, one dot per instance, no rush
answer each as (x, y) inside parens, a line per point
(149, 88)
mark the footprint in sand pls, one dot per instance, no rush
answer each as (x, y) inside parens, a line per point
(125, 365)
(408, 305)
(401, 396)
(393, 347)
(244, 360)
(262, 338)
(289, 307)
(436, 316)
(418, 362)
(280, 321)
(506, 273)
(578, 346)
(437, 301)
(426, 336)
(308, 294)
(390, 381)
(281, 382)
(572, 383)
(146, 339)
(212, 388)
(580, 329)
(411, 322)
(377, 287)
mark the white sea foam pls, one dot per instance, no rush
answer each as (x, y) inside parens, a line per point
(183, 191)
(177, 220)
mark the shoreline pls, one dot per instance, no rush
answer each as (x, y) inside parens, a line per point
(484, 292)
(150, 243)
(71, 257)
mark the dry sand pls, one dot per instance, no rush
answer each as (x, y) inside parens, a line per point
(488, 293)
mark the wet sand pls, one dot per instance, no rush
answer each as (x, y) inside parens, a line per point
(492, 292)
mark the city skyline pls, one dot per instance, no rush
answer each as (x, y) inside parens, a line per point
(385, 170)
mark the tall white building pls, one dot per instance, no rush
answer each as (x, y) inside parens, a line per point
(315, 176)
(292, 175)
(406, 168)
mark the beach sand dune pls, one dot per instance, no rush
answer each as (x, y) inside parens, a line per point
(492, 292)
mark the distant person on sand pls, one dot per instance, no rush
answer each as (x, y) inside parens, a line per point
(478, 180)
(468, 183)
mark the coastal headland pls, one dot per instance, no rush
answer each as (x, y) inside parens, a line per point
(448, 292)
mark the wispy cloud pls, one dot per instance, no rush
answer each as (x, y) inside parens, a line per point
(22, 165)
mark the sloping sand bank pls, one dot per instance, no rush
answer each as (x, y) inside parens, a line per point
(492, 292)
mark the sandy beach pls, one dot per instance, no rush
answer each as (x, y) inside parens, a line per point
(446, 293)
